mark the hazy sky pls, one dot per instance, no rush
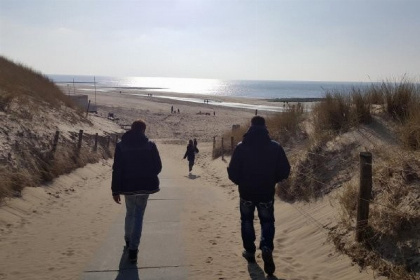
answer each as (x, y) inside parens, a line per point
(330, 40)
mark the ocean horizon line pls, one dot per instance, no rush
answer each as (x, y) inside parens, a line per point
(260, 89)
(194, 78)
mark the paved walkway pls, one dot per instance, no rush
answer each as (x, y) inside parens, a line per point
(161, 250)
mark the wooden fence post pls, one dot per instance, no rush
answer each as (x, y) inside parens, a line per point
(214, 146)
(79, 144)
(223, 150)
(95, 147)
(87, 109)
(55, 142)
(365, 194)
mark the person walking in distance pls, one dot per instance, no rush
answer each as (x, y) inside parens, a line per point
(190, 154)
(135, 172)
(257, 164)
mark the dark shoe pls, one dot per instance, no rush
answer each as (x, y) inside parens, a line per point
(132, 255)
(267, 256)
(249, 256)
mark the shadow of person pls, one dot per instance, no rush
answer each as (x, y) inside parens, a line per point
(192, 176)
(256, 273)
(126, 269)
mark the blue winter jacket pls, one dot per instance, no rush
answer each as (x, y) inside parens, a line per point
(136, 165)
(257, 164)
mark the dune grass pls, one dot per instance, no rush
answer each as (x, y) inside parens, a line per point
(27, 96)
(17, 80)
(320, 165)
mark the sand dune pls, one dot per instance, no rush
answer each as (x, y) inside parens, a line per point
(53, 231)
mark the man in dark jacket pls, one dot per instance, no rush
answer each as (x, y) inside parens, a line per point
(135, 175)
(257, 164)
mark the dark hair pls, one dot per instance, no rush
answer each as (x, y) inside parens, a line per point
(138, 125)
(258, 120)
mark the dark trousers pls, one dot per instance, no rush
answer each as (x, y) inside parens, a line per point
(266, 216)
(190, 165)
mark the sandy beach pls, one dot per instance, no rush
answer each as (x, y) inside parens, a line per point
(45, 236)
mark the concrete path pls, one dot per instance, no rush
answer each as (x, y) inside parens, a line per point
(161, 251)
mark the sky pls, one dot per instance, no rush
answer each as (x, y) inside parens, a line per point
(329, 40)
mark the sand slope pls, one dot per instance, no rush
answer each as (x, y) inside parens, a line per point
(53, 231)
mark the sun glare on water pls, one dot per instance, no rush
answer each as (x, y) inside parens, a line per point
(180, 85)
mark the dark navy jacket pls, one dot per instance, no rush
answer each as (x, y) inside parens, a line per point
(136, 165)
(190, 153)
(257, 164)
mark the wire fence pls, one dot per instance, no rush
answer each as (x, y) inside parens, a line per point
(44, 148)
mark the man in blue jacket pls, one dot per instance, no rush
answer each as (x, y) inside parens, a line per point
(135, 175)
(257, 164)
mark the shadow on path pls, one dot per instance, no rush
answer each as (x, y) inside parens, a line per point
(127, 270)
(256, 273)
(192, 176)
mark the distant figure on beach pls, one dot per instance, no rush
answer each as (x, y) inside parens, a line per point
(257, 164)
(190, 154)
(135, 175)
(172, 109)
(178, 110)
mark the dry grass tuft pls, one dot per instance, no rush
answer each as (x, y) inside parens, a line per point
(333, 113)
(399, 98)
(361, 106)
(410, 129)
(286, 126)
(394, 218)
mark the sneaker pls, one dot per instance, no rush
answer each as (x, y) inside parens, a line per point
(132, 255)
(267, 256)
(249, 256)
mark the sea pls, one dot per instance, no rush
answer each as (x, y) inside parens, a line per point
(251, 89)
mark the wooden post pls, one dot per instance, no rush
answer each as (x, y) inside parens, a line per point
(55, 142)
(9, 156)
(95, 147)
(214, 145)
(87, 110)
(108, 141)
(365, 194)
(79, 144)
(231, 144)
(223, 150)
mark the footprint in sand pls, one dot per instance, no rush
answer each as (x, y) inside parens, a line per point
(70, 252)
(213, 242)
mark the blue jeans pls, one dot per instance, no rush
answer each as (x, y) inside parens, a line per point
(266, 216)
(136, 205)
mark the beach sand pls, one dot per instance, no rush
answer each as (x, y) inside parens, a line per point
(53, 231)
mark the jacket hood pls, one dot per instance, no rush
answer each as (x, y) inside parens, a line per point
(256, 135)
(132, 137)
